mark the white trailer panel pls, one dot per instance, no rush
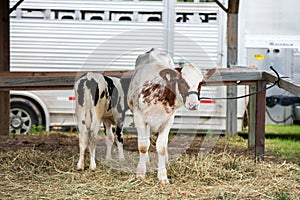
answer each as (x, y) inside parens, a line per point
(53, 35)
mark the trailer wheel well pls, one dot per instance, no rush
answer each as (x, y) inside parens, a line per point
(35, 103)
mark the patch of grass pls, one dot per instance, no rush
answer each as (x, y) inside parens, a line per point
(279, 131)
(234, 141)
(37, 130)
(283, 130)
(286, 149)
(282, 141)
(282, 196)
(291, 132)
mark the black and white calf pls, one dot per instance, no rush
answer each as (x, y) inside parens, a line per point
(99, 99)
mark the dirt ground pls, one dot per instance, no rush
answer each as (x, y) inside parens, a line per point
(56, 141)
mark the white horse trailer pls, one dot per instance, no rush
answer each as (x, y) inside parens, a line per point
(94, 35)
(270, 36)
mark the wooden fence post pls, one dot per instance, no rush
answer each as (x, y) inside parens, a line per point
(252, 117)
(260, 121)
(4, 65)
(232, 53)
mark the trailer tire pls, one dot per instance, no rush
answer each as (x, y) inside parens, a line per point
(23, 114)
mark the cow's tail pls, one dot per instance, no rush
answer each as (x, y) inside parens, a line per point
(88, 104)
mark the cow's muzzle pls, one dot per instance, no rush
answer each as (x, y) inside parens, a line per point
(185, 95)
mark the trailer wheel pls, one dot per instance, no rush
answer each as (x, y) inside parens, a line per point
(23, 114)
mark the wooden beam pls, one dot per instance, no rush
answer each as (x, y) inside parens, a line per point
(4, 36)
(47, 80)
(232, 44)
(232, 32)
(123, 73)
(284, 83)
(260, 121)
(38, 83)
(236, 74)
(65, 80)
(233, 6)
(4, 65)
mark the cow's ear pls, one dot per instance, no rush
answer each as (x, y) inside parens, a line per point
(178, 69)
(208, 73)
(169, 74)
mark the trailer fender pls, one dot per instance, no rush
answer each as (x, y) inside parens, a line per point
(29, 95)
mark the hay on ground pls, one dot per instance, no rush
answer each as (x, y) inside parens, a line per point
(33, 173)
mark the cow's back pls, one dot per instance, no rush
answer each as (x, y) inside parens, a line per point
(154, 56)
(147, 69)
(91, 101)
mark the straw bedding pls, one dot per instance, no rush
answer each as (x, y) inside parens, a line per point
(44, 167)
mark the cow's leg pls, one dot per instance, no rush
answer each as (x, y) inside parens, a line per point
(83, 143)
(143, 144)
(83, 136)
(162, 151)
(93, 143)
(119, 119)
(120, 141)
(109, 138)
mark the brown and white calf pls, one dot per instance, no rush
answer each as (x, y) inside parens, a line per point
(156, 90)
(99, 99)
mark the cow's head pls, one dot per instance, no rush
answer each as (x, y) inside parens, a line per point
(189, 80)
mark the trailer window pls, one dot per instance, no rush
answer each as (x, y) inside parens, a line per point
(33, 13)
(121, 16)
(67, 17)
(63, 14)
(207, 17)
(92, 15)
(150, 17)
(125, 18)
(96, 18)
(153, 19)
(184, 17)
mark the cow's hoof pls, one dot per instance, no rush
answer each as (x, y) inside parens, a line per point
(93, 166)
(140, 173)
(121, 158)
(80, 168)
(162, 176)
(164, 181)
(140, 176)
(108, 158)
